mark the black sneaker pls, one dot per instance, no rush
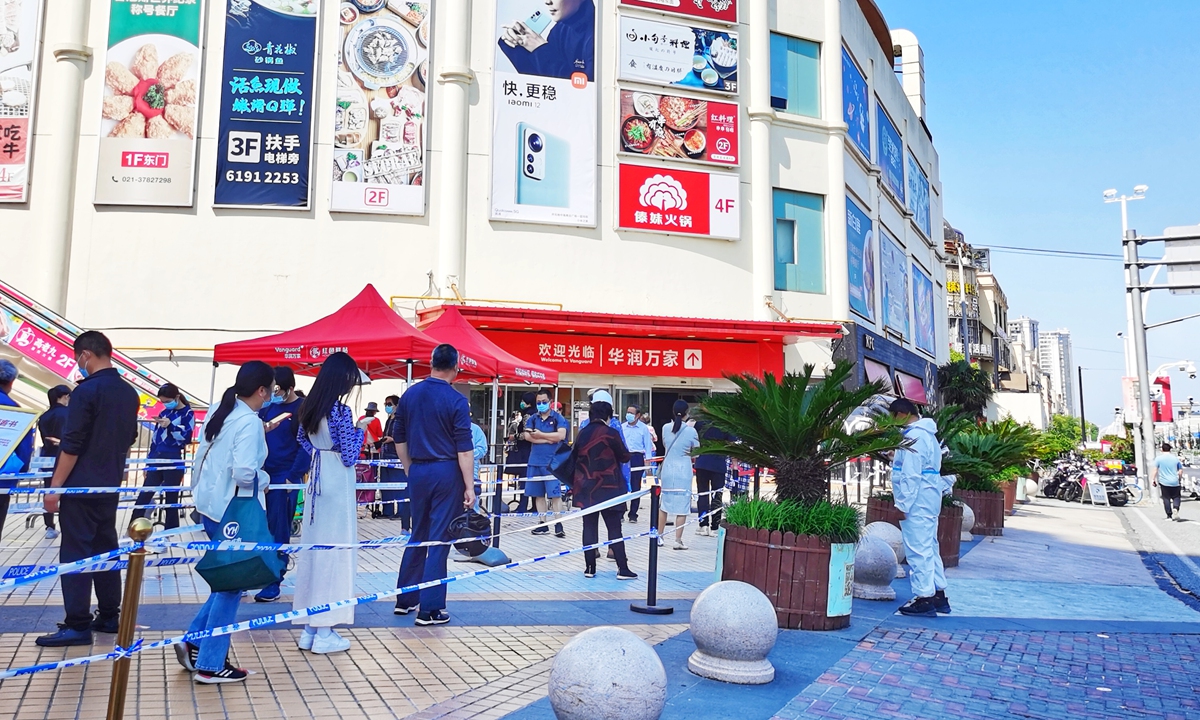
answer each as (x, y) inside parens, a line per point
(919, 607)
(558, 531)
(65, 637)
(106, 625)
(633, 518)
(626, 574)
(187, 653)
(940, 603)
(540, 531)
(437, 617)
(405, 609)
(589, 571)
(228, 674)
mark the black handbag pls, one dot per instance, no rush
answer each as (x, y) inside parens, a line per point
(562, 465)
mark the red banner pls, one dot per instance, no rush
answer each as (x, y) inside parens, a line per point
(654, 357)
(44, 349)
(678, 128)
(685, 202)
(725, 11)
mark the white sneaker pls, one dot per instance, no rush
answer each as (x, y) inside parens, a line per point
(679, 545)
(51, 534)
(306, 640)
(660, 542)
(703, 531)
(331, 643)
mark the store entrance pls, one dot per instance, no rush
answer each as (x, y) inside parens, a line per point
(662, 400)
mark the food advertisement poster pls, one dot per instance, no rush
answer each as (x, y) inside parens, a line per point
(722, 11)
(264, 139)
(925, 335)
(679, 128)
(855, 105)
(894, 262)
(381, 116)
(683, 202)
(544, 117)
(666, 53)
(148, 115)
(918, 195)
(891, 154)
(20, 33)
(860, 248)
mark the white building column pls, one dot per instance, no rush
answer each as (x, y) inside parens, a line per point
(455, 78)
(56, 142)
(762, 214)
(835, 204)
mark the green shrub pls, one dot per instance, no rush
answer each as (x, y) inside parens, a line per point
(836, 521)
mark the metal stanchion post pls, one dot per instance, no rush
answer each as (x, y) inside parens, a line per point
(756, 480)
(497, 506)
(652, 607)
(140, 531)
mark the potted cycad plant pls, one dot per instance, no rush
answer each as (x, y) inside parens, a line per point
(979, 458)
(797, 547)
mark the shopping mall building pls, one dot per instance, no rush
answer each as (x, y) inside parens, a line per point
(733, 185)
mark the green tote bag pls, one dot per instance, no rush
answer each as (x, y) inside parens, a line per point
(237, 570)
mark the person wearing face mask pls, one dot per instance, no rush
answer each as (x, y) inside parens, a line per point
(101, 427)
(544, 431)
(516, 461)
(172, 433)
(640, 442)
(395, 502)
(50, 427)
(232, 451)
(285, 464)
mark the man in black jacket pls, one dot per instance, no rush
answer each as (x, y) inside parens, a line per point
(101, 427)
(51, 425)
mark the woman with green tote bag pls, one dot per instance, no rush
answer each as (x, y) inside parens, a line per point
(230, 458)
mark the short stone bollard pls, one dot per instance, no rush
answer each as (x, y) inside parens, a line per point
(967, 523)
(734, 627)
(1032, 488)
(874, 569)
(891, 535)
(607, 673)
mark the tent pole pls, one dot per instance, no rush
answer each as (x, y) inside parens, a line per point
(212, 384)
(498, 484)
(409, 363)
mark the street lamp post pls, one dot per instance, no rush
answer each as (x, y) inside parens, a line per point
(1110, 196)
(1083, 433)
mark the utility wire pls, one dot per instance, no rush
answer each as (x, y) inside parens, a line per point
(1043, 252)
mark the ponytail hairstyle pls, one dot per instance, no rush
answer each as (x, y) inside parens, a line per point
(170, 390)
(679, 410)
(338, 376)
(251, 376)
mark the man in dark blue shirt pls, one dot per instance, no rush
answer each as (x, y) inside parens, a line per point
(544, 430)
(101, 427)
(433, 440)
(285, 463)
(51, 425)
(18, 462)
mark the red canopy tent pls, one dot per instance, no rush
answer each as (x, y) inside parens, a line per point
(480, 357)
(382, 343)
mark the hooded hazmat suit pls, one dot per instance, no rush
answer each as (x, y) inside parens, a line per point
(917, 486)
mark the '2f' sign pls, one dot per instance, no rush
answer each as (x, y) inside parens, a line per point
(376, 197)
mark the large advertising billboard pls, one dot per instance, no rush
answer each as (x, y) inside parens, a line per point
(20, 35)
(665, 53)
(381, 113)
(856, 112)
(918, 195)
(264, 138)
(891, 154)
(722, 11)
(679, 128)
(148, 115)
(860, 250)
(657, 198)
(894, 266)
(925, 335)
(544, 119)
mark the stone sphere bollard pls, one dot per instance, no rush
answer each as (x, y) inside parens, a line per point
(891, 535)
(1031, 488)
(874, 569)
(734, 627)
(968, 523)
(607, 673)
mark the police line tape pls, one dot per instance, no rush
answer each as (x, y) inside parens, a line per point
(160, 489)
(78, 566)
(17, 571)
(268, 620)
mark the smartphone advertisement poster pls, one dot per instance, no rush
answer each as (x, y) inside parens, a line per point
(894, 264)
(381, 118)
(264, 139)
(680, 128)
(926, 333)
(20, 30)
(148, 112)
(658, 198)
(666, 53)
(860, 260)
(722, 11)
(544, 123)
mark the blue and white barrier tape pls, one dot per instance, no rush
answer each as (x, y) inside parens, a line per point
(160, 489)
(17, 571)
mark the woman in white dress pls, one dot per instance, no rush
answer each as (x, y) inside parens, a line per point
(679, 439)
(328, 435)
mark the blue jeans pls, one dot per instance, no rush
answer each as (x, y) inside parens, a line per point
(220, 609)
(437, 494)
(281, 508)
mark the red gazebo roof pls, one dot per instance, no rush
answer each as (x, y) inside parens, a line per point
(481, 357)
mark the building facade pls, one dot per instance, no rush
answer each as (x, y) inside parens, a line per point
(1054, 349)
(740, 160)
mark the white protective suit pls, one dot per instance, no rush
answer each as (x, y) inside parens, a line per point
(917, 486)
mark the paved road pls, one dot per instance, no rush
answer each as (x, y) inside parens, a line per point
(1171, 549)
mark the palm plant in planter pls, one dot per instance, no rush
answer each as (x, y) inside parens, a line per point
(979, 457)
(790, 547)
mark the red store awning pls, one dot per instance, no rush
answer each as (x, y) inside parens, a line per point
(640, 345)
(480, 357)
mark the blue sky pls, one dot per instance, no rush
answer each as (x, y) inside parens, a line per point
(1036, 108)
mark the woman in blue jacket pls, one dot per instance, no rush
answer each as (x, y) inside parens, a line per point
(172, 432)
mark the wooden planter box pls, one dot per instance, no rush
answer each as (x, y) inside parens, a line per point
(1010, 495)
(792, 571)
(949, 526)
(988, 508)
